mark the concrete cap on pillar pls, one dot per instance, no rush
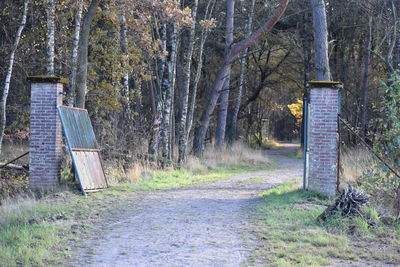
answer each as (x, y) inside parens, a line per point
(325, 84)
(47, 79)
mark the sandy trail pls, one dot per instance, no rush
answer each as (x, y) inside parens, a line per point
(197, 226)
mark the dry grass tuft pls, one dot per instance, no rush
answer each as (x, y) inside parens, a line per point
(195, 165)
(355, 163)
(137, 170)
(116, 173)
(236, 154)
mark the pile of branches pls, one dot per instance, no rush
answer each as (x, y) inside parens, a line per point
(349, 203)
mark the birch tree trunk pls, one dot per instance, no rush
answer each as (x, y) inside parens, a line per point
(224, 96)
(230, 55)
(162, 61)
(166, 110)
(157, 133)
(81, 77)
(74, 61)
(323, 72)
(3, 103)
(203, 38)
(167, 94)
(50, 15)
(125, 77)
(174, 51)
(182, 140)
(155, 129)
(232, 129)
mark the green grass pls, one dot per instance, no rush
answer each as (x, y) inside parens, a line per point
(298, 154)
(27, 232)
(37, 232)
(28, 244)
(170, 179)
(290, 234)
(295, 155)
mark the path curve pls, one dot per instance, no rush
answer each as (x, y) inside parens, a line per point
(197, 226)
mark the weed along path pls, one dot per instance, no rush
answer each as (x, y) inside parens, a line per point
(197, 226)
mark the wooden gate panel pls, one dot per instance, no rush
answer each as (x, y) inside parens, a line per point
(83, 148)
(88, 165)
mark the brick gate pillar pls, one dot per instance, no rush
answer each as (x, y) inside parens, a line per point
(323, 136)
(45, 132)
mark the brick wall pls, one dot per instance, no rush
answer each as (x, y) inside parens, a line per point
(323, 140)
(45, 134)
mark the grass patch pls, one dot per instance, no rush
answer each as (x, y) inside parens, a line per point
(170, 179)
(28, 244)
(37, 232)
(289, 230)
(215, 164)
(28, 230)
(291, 236)
(297, 155)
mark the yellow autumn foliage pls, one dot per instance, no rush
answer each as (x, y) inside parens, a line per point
(297, 111)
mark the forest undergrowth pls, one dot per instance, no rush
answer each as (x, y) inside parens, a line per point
(361, 169)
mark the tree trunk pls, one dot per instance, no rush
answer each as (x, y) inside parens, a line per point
(166, 109)
(229, 57)
(167, 88)
(50, 15)
(174, 50)
(323, 72)
(364, 92)
(156, 117)
(203, 38)
(155, 130)
(392, 42)
(3, 103)
(125, 77)
(162, 61)
(157, 134)
(306, 45)
(74, 62)
(232, 129)
(165, 95)
(81, 77)
(224, 96)
(182, 137)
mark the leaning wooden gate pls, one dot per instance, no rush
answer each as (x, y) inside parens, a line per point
(83, 148)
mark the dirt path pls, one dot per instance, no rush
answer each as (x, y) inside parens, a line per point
(199, 226)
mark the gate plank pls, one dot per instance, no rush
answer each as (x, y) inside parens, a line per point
(83, 148)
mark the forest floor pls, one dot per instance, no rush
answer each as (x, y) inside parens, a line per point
(229, 222)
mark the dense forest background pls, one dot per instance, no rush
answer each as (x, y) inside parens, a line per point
(145, 69)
